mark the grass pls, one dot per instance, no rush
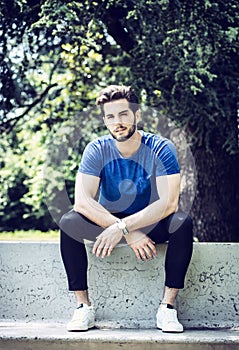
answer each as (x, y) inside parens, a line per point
(31, 235)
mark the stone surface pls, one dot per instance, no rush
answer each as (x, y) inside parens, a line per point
(128, 292)
(125, 292)
(28, 336)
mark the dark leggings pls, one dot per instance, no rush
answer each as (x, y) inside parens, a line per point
(176, 229)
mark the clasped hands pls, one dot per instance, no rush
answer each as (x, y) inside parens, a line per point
(143, 247)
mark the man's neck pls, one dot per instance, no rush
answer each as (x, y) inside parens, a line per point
(129, 147)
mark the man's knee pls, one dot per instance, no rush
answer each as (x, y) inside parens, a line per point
(186, 221)
(181, 221)
(78, 226)
(67, 220)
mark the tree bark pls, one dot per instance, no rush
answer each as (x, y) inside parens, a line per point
(215, 210)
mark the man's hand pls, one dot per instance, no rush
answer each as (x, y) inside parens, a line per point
(142, 245)
(107, 240)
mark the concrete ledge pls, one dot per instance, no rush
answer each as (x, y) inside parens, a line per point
(125, 292)
(53, 336)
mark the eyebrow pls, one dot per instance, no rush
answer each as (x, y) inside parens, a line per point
(126, 110)
(122, 112)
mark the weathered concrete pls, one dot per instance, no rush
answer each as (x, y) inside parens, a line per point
(126, 293)
(53, 336)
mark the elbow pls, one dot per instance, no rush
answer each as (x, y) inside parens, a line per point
(171, 207)
(170, 210)
(79, 207)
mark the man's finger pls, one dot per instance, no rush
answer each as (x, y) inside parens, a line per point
(149, 253)
(110, 249)
(150, 240)
(99, 250)
(98, 247)
(142, 254)
(105, 251)
(137, 253)
(153, 248)
(97, 243)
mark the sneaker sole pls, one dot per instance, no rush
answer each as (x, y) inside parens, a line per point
(80, 329)
(165, 331)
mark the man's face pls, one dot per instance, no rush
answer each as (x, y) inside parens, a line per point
(120, 120)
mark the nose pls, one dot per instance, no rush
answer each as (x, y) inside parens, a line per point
(117, 120)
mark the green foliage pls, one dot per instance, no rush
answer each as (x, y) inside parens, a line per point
(57, 73)
(194, 60)
(180, 56)
(31, 235)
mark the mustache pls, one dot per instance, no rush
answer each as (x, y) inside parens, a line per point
(120, 128)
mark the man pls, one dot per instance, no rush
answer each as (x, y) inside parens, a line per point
(127, 187)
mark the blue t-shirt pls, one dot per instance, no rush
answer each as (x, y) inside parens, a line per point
(127, 185)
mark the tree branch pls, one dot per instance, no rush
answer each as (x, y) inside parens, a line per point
(11, 123)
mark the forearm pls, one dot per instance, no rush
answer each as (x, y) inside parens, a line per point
(153, 213)
(95, 212)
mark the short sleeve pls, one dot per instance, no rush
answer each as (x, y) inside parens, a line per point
(91, 162)
(166, 161)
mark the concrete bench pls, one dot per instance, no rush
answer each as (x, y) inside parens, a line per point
(126, 293)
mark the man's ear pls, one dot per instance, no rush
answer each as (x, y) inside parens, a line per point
(137, 115)
(104, 121)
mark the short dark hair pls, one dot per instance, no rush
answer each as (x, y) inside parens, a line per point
(117, 92)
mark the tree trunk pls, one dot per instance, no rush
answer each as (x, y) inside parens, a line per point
(215, 210)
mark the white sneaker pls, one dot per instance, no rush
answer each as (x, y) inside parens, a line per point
(167, 320)
(83, 319)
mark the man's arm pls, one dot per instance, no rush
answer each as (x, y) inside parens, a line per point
(86, 187)
(168, 188)
(85, 191)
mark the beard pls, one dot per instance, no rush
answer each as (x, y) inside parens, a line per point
(123, 138)
(130, 132)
